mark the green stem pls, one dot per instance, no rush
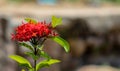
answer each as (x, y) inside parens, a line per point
(35, 53)
(35, 61)
(35, 65)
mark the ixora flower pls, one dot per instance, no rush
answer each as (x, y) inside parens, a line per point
(36, 33)
(27, 31)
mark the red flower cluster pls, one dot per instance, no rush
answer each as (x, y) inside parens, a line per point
(27, 31)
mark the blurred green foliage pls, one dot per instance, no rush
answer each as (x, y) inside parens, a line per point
(113, 1)
(20, 1)
(71, 1)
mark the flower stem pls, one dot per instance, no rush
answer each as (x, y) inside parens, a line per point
(35, 65)
(35, 61)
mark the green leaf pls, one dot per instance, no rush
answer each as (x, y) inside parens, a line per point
(22, 70)
(45, 55)
(32, 69)
(62, 42)
(56, 21)
(30, 20)
(31, 54)
(40, 47)
(26, 45)
(46, 63)
(20, 60)
(24, 65)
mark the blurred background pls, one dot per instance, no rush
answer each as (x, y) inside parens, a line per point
(92, 27)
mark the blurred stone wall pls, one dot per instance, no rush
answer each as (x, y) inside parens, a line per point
(92, 40)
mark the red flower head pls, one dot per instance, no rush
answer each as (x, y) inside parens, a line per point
(27, 31)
